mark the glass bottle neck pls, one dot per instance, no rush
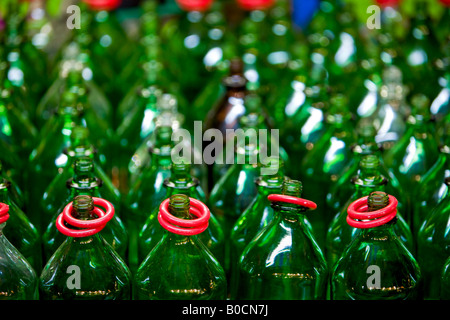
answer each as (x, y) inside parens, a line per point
(381, 233)
(288, 214)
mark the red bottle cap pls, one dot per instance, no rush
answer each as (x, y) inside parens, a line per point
(90, 227)
(255, 4)
(4, 216)
(183, 226)
(99, 5)
(387, 3)
(194, 5)
(359, 217)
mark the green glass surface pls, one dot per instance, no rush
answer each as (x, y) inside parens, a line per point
(433, 244)
(180, 267)
(18, 279)
(283, 262)
(85, 268)
(376, 266)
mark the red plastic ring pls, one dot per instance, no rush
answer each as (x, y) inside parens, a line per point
(359, 217)
(186, 227)
(100, 5)
(4, 209)
(294, 200)
(91, 226)
(255, 4)
(194, 5)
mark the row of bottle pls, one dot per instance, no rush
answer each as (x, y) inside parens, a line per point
(228, 242)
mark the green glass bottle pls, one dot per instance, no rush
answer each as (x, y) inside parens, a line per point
(432, 245)
(432, 184)
(283, 262)
(109, 45)
(235, 190)
(86, 182)
(324, 164)
(16, 119)
(181, 182)
(347, 50)
(18, 278)
(392, 109)
(166, 114)
(28, 66)
(414, 153)
(85, 266)
(281, 38)
(376, 265)
(303, 108)
(73, 78)
(21, 233)
(253, 34)
(49, 155)
(148, 191)
(257, 215)
(147, 70)
(285, 99)
(368, 179)
(186, 37)
(420, 54)
(445, 282)
(180, 266)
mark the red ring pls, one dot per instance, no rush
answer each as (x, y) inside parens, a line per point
(294, 200)
(4, 209)
(100, 5)
(359, 217)
(186, 227)
(91, 226)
